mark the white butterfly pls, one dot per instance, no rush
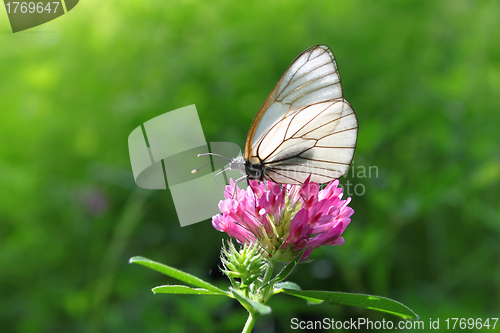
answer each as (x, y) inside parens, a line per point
(305, 126)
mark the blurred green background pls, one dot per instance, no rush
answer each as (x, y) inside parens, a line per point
(422, 76)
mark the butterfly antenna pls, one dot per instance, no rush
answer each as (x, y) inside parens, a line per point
(213, 154)
(204, 165)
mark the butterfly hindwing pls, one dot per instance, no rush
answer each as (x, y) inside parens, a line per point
(325, 151)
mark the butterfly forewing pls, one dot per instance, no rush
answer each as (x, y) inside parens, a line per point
(305, 126)
(311, 78)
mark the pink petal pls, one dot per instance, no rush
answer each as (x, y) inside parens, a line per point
(299, 226)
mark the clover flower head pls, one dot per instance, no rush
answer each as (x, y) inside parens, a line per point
(284, 219)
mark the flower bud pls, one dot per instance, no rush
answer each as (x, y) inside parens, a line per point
(247, 264)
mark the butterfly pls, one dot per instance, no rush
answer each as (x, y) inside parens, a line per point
(304, 128)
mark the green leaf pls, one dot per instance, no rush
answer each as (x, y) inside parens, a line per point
(177, 274)
(249, 304)
(175, 289)
(287, 285)
(360, 300)
(281, 286)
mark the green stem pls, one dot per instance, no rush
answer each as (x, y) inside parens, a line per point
(252, 318)
(266, 293)
(269, 272)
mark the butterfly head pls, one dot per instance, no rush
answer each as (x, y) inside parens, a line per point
(238, 163)
(251, 170)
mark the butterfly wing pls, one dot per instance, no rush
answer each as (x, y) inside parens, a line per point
(305, 126)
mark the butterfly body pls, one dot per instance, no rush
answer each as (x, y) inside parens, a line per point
(304, 128)
(253, 170)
